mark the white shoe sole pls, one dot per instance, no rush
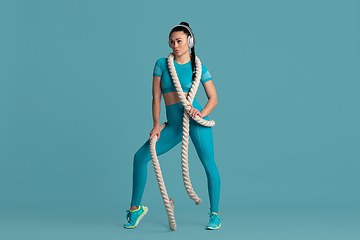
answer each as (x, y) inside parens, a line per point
(210, 228)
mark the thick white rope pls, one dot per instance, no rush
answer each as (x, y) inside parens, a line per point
(169, 203)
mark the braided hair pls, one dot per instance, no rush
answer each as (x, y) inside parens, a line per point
(178, 29)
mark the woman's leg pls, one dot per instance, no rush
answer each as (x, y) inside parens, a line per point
(170, 136)
(202, 138)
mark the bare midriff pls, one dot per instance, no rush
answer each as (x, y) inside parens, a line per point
(172, 98)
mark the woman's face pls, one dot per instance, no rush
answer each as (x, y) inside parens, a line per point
(179, 43)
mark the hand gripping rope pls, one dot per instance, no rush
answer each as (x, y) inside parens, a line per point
(169, 203)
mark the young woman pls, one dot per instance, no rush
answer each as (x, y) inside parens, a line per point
(181, 39)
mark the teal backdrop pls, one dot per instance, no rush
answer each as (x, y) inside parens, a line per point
(75, 106)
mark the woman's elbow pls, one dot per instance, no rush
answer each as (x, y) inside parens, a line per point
(215, 101)
(156, 99)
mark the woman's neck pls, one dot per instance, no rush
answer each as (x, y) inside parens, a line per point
(183, 58)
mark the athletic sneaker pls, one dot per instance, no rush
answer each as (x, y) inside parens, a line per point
(214, 221)
(134, 217)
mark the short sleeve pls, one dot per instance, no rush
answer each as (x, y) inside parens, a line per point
(205, 76)
(157, 69)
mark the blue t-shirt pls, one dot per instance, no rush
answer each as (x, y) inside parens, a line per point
(184, 73)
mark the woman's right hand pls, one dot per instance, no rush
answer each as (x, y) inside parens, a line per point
(155, 131)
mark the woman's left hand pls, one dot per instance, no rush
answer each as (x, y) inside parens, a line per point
(193, 112)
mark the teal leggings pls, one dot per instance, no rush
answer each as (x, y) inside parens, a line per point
(170, 136)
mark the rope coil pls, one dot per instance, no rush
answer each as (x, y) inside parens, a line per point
(169, 202)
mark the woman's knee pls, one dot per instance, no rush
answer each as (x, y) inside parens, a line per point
(142, 156)
(209, 165)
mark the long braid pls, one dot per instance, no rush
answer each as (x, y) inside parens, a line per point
(193, 62)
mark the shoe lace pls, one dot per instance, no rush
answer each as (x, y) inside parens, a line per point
(213, 216)
(128, 216)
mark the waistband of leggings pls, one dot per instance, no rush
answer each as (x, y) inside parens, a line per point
(174, 105)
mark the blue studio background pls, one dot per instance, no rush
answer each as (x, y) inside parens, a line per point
(75, 105)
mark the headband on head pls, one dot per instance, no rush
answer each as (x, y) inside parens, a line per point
(191, 38)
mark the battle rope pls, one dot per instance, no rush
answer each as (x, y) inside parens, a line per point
(169, 203)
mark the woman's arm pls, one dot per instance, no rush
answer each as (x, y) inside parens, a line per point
(210, 105)
(156, 105)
